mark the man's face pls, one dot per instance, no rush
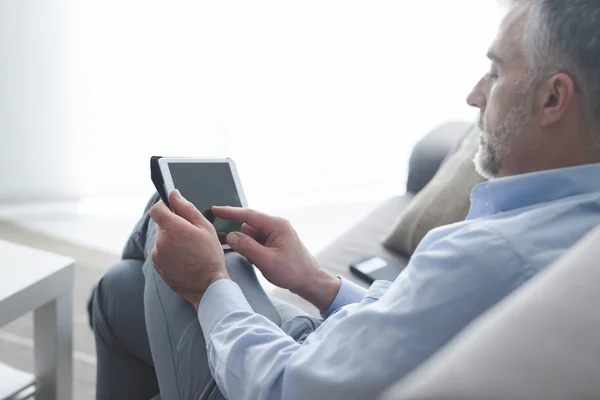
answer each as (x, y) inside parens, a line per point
(505, 99)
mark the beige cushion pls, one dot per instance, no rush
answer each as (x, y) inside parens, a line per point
(541, 342)
(444, 200)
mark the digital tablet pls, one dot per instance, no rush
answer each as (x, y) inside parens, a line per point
(205, 182)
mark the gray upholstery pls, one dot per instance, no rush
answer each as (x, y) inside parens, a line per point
(365, 238)
(429, 152)
(542, 342)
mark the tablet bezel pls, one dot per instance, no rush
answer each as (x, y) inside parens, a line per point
(164, 162)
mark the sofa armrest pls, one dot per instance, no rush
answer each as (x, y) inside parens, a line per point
(541, 342)
(430, 152)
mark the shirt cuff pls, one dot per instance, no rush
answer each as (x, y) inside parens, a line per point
(349, 293)
(220, 299)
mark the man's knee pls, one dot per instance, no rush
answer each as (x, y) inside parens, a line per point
(242, 272)
(239, 268)
(121, 285)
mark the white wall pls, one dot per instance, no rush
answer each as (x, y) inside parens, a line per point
(35, 145)
(318, 99)
(314, 99)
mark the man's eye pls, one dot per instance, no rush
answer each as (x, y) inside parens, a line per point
(491, 76)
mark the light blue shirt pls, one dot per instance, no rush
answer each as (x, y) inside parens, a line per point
(370, 339)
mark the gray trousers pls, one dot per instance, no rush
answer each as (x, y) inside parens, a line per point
(149, 340)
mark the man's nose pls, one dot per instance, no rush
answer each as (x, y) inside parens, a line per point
(477, 98)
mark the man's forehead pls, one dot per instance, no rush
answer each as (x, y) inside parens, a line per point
(508, 40)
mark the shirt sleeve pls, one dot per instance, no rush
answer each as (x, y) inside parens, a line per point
(363, 348)
(348, 293)
(247, 353)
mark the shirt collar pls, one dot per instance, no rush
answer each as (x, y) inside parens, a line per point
(510, 193)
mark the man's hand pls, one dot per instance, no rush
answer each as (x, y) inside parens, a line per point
(275, 248)
(187, 252)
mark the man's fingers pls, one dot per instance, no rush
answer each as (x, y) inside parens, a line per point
(248, 247)
(248, 230)
(253, 218)
(187, 210)
(161, 214)
(168, 222)
(253, 233)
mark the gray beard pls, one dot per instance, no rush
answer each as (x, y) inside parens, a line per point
(495, 144)
(487, 160)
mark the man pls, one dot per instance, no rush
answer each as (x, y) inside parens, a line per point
(540, 116)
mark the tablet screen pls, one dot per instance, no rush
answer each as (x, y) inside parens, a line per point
(207, 185)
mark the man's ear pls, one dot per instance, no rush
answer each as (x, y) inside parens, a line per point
(556, 96)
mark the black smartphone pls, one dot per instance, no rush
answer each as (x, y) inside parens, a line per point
(375, 268)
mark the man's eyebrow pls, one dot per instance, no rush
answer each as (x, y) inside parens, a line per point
(492, 56)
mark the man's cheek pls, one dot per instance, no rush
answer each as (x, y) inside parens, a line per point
(489, 122)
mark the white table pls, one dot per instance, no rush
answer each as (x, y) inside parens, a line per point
(38, 281)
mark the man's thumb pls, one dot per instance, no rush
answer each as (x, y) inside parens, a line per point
(246, 246)
(185, 209)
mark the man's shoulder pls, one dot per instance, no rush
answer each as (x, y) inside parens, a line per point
(533, 237)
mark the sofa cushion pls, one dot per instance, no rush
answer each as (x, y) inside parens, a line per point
(430, 152)
(364, 239)
(444, 200)
(539, 343)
